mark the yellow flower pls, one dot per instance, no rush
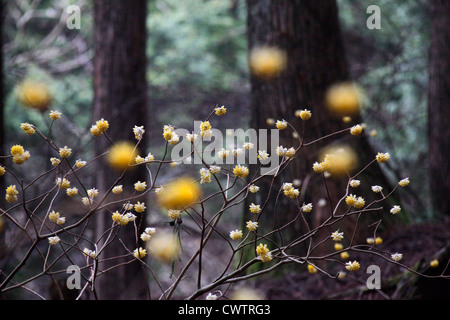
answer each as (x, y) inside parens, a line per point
(382, 157)
(395, 209)
(253, 188)
(338, 246)
(360, 202)
(307, 207)
(352, 266)
(434, 263)
(351, 200)
(252, 225)
(355, 183)
(55, 161)
(205, 126)
(205, 176)
(53, 216)
(318, 167)
(290, 191)
(378, 240)
(121, 155)
(303, 114)
(35, 95)
(22, 158)
(119, 218)
(356, 130)
(343, 99)
(345, 255)
(2, 170)
(179, 194)
(28, 128)
(53, 240)
(267, 62)
(281, 124)
(164, 246)
(11, 194)
(139, 253)
(117, 189)
(80, 164)
(266, 257)
(55, 115)
(236, 234)
(220, 111)
(311, 269)
(240, 171)
(62, 183)
(139, 207)
(72, 192)
(262, 249)
(346, 119)
(140, 186)
(102, 125)
(403, 182)
(255, 208)
(17, 150)
(95, 131)
(65, 152)
(339, 160)
(174, 214)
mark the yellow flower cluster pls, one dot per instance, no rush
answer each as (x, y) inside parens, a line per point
(100, 127)
(252, 225)
(121, 155)
(205, 129)
(356, 202)
(62, 183)
(263, 253)
(174, 214)
(140, 253)
(281, 124)
(267, 62)
(220, 111)
(382, 157)
(205, 176)
(290, 191)
(122, 219)
(303, 114)
(352, 266)
(11, 194)
(179, 194)
(20, 155)
(55, 217)
(240, 171)
(28, 128)
(170, 135)
(236, 234)
(255, 208)
(356, 130)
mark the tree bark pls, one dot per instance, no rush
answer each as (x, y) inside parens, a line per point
(119, 97)
(439, 106)
(309, 32)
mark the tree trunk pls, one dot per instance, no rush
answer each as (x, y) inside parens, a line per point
(439, 106)
(119, 97)
(309, 32)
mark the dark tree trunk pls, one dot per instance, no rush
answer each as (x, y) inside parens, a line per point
(439, 106)
(120, 97)
(309, 32)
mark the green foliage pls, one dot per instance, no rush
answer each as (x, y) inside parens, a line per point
(196, 44)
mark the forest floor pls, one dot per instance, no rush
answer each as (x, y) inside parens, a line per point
(419, 243)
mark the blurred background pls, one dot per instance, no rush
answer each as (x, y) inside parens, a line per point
(160, 62)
